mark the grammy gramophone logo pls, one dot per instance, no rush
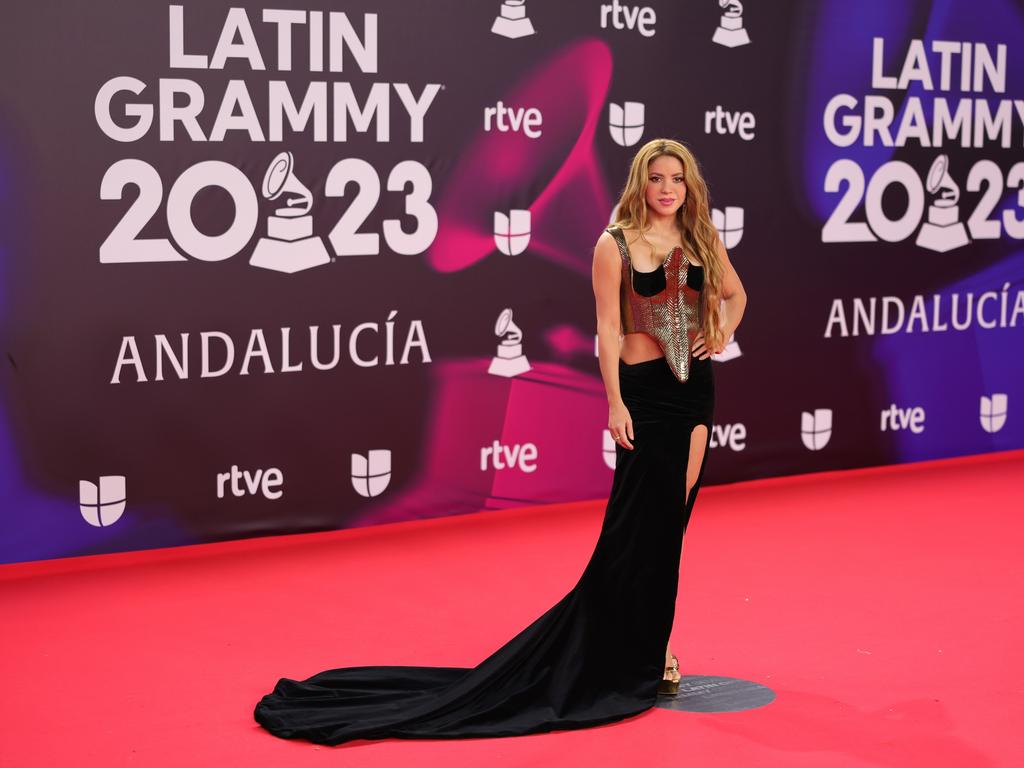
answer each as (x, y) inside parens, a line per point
(512, 20)
(290, 245)
(509, 360)
(730, 31)
(943, 231)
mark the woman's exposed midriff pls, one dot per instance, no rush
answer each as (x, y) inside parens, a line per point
(639, 347)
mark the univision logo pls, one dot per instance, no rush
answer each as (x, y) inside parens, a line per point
(993, 412)
(729, 224)
(371, 473)
(512, 231)
(816, 428)
(102, 503)
(626, 122)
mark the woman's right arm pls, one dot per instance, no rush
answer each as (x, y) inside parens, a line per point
(607, 277)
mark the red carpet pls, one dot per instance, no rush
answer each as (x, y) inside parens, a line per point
(883, 606)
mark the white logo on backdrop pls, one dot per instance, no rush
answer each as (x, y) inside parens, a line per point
(509, 360)
(957, 310)
(943, 231)
(291, 245)
(896, 419)
(102, 504)
(993, 412)
(243, 482)
(516, 119)
(816, 428)
(946, 94)
(729, 224)
(512, 232)
(640, 18)
(626, 122)
(731, 436)
(371, 473)
(512, 20)
(722, 121)
(730, 32)
(730, 352)
(319, 109)
(517, 456)
(608, 448)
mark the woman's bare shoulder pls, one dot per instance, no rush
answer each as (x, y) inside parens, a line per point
(606, 243)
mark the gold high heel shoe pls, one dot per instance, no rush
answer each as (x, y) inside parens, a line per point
(670, 687)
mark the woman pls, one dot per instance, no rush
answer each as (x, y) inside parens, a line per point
(660, 382)
(597, 655)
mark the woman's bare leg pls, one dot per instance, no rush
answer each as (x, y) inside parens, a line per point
(698, 438)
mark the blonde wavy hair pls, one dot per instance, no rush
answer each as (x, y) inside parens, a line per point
(693, 219)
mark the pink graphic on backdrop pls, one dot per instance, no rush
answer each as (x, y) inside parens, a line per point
(568, 341)
(561, 412)
(573, 207)
(552, 408)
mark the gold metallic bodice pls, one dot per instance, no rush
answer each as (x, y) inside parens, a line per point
(671, 316)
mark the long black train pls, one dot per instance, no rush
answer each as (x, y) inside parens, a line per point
(594, 657)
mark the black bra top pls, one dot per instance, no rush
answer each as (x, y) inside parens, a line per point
(653, 283)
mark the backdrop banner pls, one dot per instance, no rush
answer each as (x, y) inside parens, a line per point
(301, 267)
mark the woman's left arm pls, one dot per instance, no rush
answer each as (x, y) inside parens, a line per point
(734, 298)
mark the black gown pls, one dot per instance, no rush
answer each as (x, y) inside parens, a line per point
(594, 657)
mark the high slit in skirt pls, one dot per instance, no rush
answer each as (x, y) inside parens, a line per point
(594, 657)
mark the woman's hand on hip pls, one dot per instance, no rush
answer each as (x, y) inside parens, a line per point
(700, 349)
(621, 425)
